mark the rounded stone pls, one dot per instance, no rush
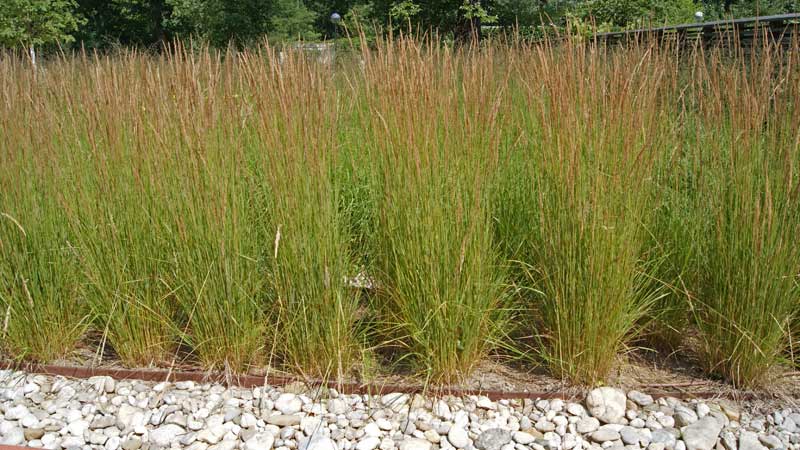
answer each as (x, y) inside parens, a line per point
(288, 404)
(458, 437)
(703, 434)
(640, 398)
(368, 443)
(16, 412)
(372, 429)
(604, 435)
(14, 436)
(283, 420)
(492, 439)
(395, 401)
(132, 443)
(414, 444)
(432, 436)
(544, 426)
(337, 406)
(164, 435)
(521, 437)
(384, 424)
(771, 441)
(112, 443)
(260, 441)
(78, 427)
(607, 404)
(587, 425)
(632, 436)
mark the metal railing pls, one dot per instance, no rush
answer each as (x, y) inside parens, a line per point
(779, 28)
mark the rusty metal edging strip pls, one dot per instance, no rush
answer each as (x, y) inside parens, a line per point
(250, 381)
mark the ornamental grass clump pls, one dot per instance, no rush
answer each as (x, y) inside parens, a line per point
(213, 208)
(307, 256)
(434, 133)
(122, 258)
(219, 277)
(592, 133)
(115, 204)
(217, 233)
(43, 314)
(678, 220)
(746, 131)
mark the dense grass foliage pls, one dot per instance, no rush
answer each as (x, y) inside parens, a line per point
(39, 279)
(561, 202)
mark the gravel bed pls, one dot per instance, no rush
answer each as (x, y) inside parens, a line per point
(101, 413)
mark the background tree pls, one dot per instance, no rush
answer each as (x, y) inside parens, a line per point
(243, 22)
(125, 22)
(612, 14)
(36, 23)
(224, 21)
(457, 17)
(721, 9)
(293, 21)
(150, 23)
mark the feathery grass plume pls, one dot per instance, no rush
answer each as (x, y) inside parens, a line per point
(747, 133)
(593, 134)
(434, 132)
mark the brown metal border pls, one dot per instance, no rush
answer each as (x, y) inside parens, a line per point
(250, 381)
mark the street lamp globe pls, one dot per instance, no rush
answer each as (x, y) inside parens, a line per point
(336, 18)
(698, 16)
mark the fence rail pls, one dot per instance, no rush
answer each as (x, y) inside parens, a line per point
(779, 28)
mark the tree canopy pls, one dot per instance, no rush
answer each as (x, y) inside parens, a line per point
(103, 23)
(31, 23)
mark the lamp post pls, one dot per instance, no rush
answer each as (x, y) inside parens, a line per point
(336, 18)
